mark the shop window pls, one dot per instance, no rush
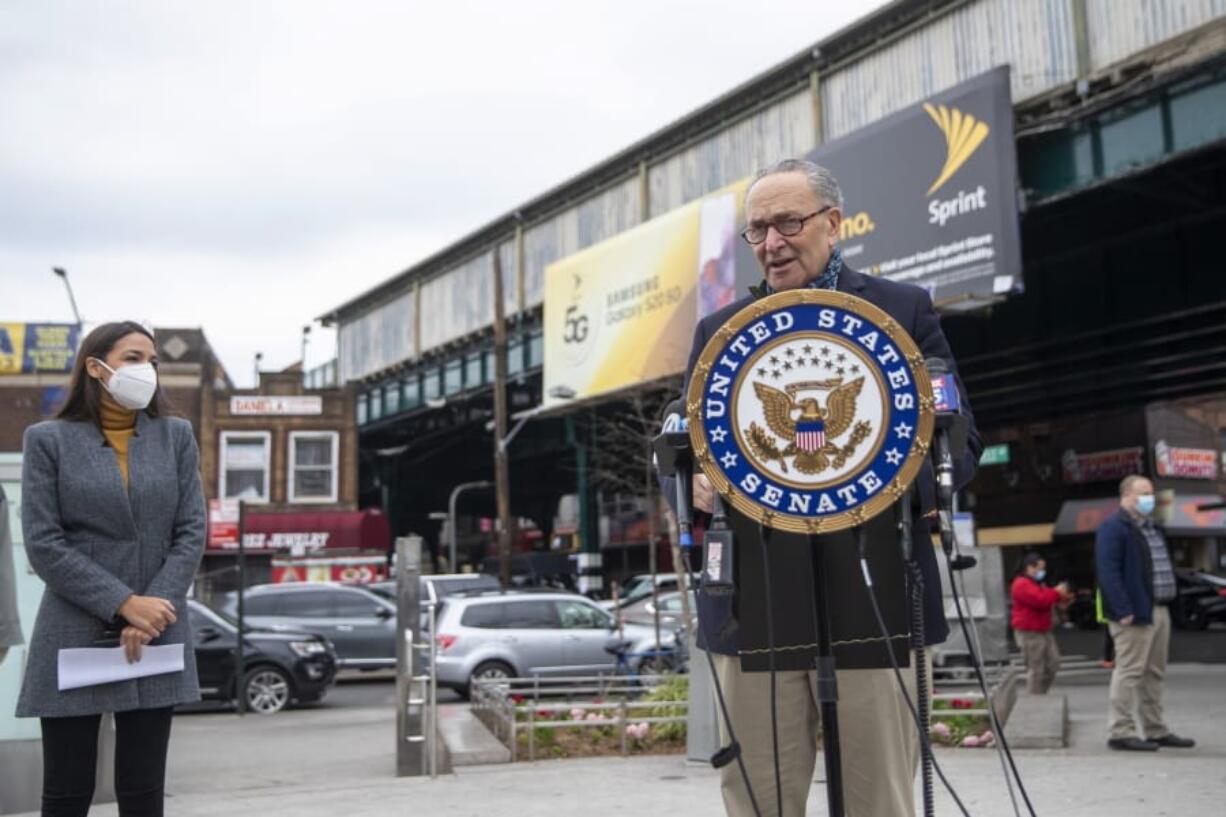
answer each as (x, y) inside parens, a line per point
(536, 350)
(488, 357)
(313, 466)
(515, 357)
(361, 409)
(473, 375)
(391, 399)
(244, 465)
(410, 393)
(453, 377)
(376, 405)
(1132, 141)
(1199, 116)
(432, 387)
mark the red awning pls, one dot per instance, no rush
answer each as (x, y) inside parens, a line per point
(303, 533)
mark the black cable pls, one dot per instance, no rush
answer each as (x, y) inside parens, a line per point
(977, 665)
(902, 687)
(719, 690)
(923, 715)
(764, 536)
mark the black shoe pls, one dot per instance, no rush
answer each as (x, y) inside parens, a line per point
(1132, 745)
(1174, 741)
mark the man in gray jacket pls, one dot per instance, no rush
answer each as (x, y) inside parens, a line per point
(10, 624)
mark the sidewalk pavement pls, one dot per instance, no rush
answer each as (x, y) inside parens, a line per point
(340, 761)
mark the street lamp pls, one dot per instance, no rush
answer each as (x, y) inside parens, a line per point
(450, 515)
(306, 333)
(258, 357)
(63, 273)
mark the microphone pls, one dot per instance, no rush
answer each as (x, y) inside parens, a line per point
(952, 429)
(674, 459)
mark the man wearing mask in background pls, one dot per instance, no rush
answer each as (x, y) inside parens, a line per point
(1031, 619)
(10, 626)
(1137, 583)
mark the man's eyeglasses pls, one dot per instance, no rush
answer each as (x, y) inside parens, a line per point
(786, 227)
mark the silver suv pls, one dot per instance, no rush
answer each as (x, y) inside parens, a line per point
(523, 634)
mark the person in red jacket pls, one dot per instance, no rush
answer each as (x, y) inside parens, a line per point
(1032, 605)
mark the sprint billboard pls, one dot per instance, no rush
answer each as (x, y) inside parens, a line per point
(931, 194)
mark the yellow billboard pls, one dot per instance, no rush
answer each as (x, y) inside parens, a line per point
(623, 312)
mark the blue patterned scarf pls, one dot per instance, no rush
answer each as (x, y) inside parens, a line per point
(829, 279)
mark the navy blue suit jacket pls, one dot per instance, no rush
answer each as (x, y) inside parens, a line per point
(1125, 570)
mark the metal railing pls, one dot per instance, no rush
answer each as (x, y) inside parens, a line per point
(499, 703)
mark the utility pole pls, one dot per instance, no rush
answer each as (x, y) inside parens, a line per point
(306, 333)
(502, 487)
(63, 273)
(256, 367)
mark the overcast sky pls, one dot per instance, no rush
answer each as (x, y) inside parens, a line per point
(245, 166)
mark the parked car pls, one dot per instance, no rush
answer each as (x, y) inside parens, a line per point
(643, 611)
(1200, 598)
(444, 584)
(280, 667)
(638, 587)
(523, 634)
(360, 624)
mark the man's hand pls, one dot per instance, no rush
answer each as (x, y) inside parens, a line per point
(704, 494)
(1063, 589)
(1126, 621)
(148, 614)
(132, 640)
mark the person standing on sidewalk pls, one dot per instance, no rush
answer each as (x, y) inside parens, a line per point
(113, 516)
(1137, 583)
(1031, 619)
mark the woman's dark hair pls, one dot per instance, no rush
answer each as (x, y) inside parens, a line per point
(1030, 560)
(84, 403)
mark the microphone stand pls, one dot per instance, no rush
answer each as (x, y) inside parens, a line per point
(915, 586)
(827, 684)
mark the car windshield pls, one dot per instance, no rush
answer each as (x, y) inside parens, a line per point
(226, 617)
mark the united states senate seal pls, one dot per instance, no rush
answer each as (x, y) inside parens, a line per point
(810, 411)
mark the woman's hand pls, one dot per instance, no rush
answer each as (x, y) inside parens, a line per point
(132, 640)
(148, 614)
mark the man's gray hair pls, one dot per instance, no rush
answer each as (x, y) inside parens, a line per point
(823, 183)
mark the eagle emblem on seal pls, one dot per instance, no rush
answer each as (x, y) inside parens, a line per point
(803, 430)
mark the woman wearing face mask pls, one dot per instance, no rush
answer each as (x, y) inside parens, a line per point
(1031, 619)
(113, 516)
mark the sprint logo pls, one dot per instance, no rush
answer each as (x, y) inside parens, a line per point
(963, 135)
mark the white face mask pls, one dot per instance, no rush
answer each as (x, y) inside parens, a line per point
(133, 385)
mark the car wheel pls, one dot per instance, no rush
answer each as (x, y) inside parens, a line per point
(656, 665)
(490, 671)
(267, 690)
(1188, 615)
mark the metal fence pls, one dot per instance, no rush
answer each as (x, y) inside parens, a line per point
(511, 707)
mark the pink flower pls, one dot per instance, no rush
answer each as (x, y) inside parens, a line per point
(970, 740)
(638, 731)
(593, 716)
(576, 714)
(987, 738)
(941, 730)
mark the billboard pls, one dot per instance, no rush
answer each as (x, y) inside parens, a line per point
(38, 348)
(623, 311)
(931, 194)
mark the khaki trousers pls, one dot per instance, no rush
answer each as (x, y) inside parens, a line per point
(1136, 682)
(879, 742)
(1042, 659)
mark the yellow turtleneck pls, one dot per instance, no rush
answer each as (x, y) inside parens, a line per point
(118, 426)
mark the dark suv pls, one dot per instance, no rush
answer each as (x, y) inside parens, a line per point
(361, 625)
(281, 667)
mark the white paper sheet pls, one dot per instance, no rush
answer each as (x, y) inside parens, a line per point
(89, 666)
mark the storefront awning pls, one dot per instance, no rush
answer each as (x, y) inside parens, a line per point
(1186, 515)
(311, 532)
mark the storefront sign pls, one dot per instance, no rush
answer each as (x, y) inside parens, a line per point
(38, 348)
(995, 455)
(261, 405)
(223, 524)
(349, 569)
(1102, 466)
(1185, 463)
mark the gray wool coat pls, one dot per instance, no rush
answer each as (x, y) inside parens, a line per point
(95, 543)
